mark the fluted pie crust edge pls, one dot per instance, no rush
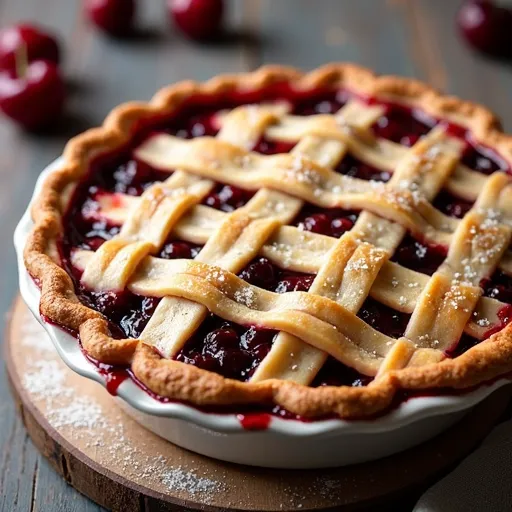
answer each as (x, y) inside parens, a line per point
(483, 362)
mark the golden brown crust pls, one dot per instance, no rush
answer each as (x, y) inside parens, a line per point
(59, 303)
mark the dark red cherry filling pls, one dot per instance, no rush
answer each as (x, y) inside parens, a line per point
(130, 177)
(481, 160)
(499, 287)
(126, 312)
(320, 103)
(178, 249)
(402, 125)
(330, 222)
(383, 319)
(422, 257)
(406, 126)
(272, 147)
(351, 166)
(264, 274)
(452, 205)
(224, 347)
(334, 373)
(227, 198)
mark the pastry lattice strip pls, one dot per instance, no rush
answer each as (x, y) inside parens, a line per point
(201, 221)
(105, 261)
(304, 174)
(269, 204)
(423, 170)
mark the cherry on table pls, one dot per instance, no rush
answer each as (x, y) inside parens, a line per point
(198, 19)
(115, 17)
(33, 97)
(38, 44)
(486, 26)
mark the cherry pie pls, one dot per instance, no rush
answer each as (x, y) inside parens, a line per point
(318, 243)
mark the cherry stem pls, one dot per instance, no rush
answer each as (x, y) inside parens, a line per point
(21, 60)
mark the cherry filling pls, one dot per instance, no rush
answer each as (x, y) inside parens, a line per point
(126, 312)
(224, 347)
(351, 166)
(452, 205)
(178, 249)
(383, 319)
(227, 198)
(482, 160)
(402, 125)
(332, 222)
(264, 274)
(422, 257)
(321, 102)
(132, 178)
(499, 287)
(221, 346)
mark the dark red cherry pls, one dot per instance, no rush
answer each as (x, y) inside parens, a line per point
(458, 209)
(340, 226)
(115, 17)
(294, 284)
(260, 273)
(214, 201)
(233, 196)
(34, 98)
(499, 287)
(387, 128)
(110, 302)
(95, 243)
(415, 255)
(227, 198)
(409, 140)
(486, 26)
(223, 346)
(133, 323)
(178, 250)
(477, 161)
(220, 339)
(317, 223)
(500, 292)
(37, 44)
(198, 19)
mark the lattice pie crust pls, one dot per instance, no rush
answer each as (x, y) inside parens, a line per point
(322, 321)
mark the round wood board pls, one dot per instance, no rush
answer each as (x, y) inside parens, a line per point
(107, 456)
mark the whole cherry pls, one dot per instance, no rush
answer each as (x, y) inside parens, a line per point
(198, 19)
(38, 45)
(115, 17)
(486, 26)
(32, 94)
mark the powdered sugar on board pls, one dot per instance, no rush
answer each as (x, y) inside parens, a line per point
(90, 420)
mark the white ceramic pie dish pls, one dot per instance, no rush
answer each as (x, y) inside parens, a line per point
(285, 443)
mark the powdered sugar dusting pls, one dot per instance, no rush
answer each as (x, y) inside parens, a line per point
(81, 413)
(45, 379)
(179, 479)
(80, 416)
(34, 338)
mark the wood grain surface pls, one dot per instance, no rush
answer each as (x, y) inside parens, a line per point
(408, 37)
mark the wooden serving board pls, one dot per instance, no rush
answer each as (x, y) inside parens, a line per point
(107, 456)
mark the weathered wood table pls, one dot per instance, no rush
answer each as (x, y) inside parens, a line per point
(407, 37)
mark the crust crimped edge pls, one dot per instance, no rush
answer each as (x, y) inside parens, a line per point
(485, 361)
